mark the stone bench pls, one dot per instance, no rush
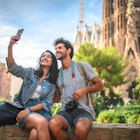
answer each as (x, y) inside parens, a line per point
(98, 132)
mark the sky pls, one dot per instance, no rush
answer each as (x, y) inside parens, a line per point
(43, 22)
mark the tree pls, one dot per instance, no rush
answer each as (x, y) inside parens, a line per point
(108, 63)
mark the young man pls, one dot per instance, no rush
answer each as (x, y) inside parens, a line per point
(75, 112)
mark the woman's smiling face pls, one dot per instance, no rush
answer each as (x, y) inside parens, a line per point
(46, 59)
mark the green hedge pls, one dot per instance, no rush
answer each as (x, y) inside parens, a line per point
(125, 114)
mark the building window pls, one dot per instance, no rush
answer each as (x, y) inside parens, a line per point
(108, 30)
(121, 21)
(121, 2)
(112, 28)
(106, 11)
(105, 31)
(112, 7)
(118, 21)
(139, 43)
(118, 4)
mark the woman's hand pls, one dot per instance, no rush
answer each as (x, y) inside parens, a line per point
(21, 115)
(14, 39)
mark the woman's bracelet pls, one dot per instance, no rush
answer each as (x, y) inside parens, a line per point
(30, 109)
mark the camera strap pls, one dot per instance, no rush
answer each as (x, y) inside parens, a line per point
(61, 75)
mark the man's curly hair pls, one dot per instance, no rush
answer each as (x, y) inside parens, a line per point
(66, 43)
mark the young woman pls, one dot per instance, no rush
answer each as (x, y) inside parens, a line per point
(31, 108)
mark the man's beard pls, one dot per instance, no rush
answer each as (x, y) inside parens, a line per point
(61, 57)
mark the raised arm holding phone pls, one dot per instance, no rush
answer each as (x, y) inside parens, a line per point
(31, 108)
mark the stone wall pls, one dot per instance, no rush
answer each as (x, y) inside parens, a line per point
(98, 132)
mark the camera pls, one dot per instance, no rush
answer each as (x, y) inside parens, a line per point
(71, 105)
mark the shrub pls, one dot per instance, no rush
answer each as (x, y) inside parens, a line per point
(124, 114)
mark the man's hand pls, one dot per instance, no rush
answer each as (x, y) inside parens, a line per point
(78, 94)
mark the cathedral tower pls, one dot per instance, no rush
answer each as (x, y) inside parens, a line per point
(121, 28)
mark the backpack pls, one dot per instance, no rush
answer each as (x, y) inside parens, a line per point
(89, 96)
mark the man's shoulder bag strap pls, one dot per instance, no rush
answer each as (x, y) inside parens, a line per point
(83, 73)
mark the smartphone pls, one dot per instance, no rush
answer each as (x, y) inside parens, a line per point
(20, 31)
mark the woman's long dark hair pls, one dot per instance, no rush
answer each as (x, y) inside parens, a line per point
(53, 70)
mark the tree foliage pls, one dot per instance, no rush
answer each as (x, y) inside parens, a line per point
(108, 63)
(137, 88)
(134, 90)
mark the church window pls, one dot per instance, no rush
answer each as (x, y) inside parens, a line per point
(106, 11)
(118, 4)
(112, 28)
(121, 21)
(121, 2)
(112, 7)
(108, 30)
(139, 42)
(105, 31)
(118, 21)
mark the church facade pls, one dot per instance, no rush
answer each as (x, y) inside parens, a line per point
(121, 28)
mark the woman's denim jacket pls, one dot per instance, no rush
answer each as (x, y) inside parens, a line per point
(30, 82)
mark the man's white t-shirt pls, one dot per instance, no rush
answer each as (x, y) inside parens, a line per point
(72, 84)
